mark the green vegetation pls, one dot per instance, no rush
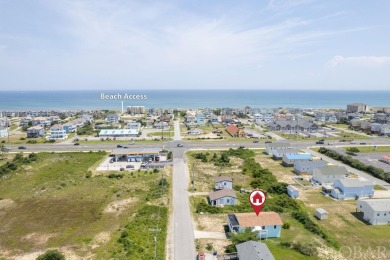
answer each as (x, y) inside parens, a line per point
(378, 187)
(17, 161)
(239, 238)
(372, 149)
(352, 150)
(86, 130)
(52, 197)
(51, 255)
(374, 171)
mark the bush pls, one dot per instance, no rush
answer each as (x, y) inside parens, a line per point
(115, 175)
(51, 255)
(286, 225)
(308, 249)
(32, 141)
(22, 138)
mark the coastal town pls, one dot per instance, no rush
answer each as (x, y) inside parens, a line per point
(183, 176)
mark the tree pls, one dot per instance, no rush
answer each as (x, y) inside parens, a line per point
(51, 255)
(352, 150)
(241, 237)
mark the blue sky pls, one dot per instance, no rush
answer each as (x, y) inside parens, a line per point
(198, 44)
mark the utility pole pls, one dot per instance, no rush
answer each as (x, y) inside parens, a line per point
(193, 177)
(155, 230)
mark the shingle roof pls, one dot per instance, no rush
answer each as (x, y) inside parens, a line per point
(377, 204)
(252, 250)
(264, 219)
(313, 164)
(333, 170)
(284, 151)
(222, 178)
(214, 195)
(302, 156)
(355, 182)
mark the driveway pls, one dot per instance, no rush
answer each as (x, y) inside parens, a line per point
(210, 235)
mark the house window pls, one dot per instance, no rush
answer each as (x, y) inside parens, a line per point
(224, 184)
(385, 214)
(263, 227)
(274, 226)
(360, 206)
(227, 200)
(378, 214)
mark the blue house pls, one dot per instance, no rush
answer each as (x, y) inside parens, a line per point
(223, 197)
(292, 191)
(222, 182)
(352, 189)
(200, 119)
(266, 225)
(291, 159)
(278, 154)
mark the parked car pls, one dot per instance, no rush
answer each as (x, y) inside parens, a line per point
(130, 166)
(76, 144)
(320, 142)
(22, 147)
(268, 142)
(119, 146)
(255, 142)
(363, 143)
(122, 169)
(112, 160)
(180, 145)
(131, 143)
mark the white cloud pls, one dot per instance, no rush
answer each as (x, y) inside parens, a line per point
(367, 61)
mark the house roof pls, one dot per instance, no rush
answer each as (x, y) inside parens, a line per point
(321, 211)
(314, 164)
(284, 151)
(57, 126)
(300, 156)
(232, 129)
(214, 195)
(252, 250)
(37, 127)
(355, 182)
(222, 178)
(263, 219)
(278, 144)
(377, 204)
(333, 170)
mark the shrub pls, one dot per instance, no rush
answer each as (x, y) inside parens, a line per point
(115, 175)
(286, 225)
(51, 255)
(32, 141)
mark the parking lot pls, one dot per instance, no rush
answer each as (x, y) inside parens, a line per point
(106, 165)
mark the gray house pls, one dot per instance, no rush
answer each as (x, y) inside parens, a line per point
(112, 118)
(35, 132)
(307, 167)
(376, 211)
(278, 154)
(223, 197)
(276, 145)
(252, 250)
(222, 182)
(329, 174)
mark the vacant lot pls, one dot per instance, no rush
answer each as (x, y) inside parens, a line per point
(54, 203)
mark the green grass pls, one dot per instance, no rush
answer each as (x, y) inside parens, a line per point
(15, 139)
(53, 197)
(370, 149)
(342, 135)
(378, 187)
(341, 126)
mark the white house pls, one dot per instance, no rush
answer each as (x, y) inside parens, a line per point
(112, 118)
(278, 154)
(291, 159)
(376, 211)
(222, 182)
(134, 125)
(3, 131)
(57, 132)
(329, 174)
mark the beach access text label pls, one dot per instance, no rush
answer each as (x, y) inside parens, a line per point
(122, 96)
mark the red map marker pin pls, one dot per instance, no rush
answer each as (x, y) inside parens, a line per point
(257, 199)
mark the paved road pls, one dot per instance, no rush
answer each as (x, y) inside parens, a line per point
(184, 245)
(177, 136)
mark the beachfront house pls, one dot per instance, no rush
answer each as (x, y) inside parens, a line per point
(375, 211)
(290, 159)
(307, 167)
(266, 225)
(70, 127)
(253, 250)
(329, 174)
(200, 119)
(269, 147)
(223, 197)
(352, 189)
(292, 191)
(35, 131)
(223, 182)
(57, 132)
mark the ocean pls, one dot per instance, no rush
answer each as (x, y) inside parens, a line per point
(92, 99)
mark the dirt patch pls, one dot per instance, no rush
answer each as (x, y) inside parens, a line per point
(217, 244)
(38, 239)
(117, 207)
(212, 223)
(102, 237)
(6, 203)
